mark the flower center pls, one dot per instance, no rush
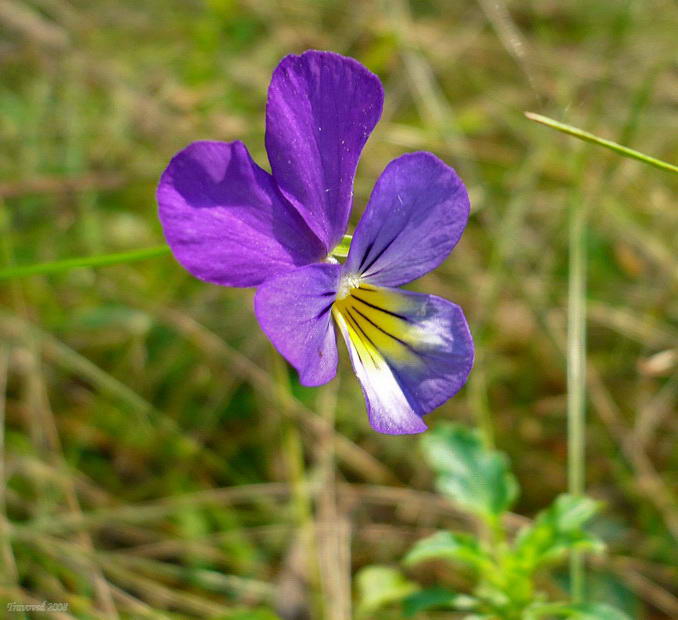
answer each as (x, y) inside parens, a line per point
(376, 321)
(347, 284)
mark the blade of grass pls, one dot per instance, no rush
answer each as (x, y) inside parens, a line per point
(576, 358)
(102, 260)
(511, 38)
(646, 479)
(576, 371)
(589, 137)
(305, 560)
(332, 526)
(8, 571)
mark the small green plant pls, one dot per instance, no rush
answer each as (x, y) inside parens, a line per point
(504, 570)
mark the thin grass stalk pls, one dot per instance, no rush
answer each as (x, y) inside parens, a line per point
(293, 450)
(620, 149)
(576, 371)
(8, 570)
(99, 260)
(333, 530)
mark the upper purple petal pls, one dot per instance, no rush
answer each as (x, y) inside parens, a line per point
(415, 216)
(295, 311)
(225, 220)
(321, 109)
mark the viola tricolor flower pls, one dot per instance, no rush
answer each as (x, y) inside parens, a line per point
(230, 222)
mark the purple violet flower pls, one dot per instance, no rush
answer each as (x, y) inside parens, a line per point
(231, 223)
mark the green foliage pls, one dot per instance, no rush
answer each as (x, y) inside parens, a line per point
(437, 598)
(379, 586)
(586, 611)
(462, 548)
(556, 531)
(476, 479)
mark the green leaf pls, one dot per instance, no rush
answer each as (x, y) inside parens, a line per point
(433, 598)
(584, 611)
(462, 548)
(379, 586)
(475, 477)
(555, 531)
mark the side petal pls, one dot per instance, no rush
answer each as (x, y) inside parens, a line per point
(225, 220)
(415, 216)
(321, 109)
(294, 310)
(411, 353)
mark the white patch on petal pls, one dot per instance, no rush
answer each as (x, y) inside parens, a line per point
(348, 283)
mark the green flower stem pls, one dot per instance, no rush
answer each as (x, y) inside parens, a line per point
(101, 260)
(576, 371)
(613, 146)
(341, 251)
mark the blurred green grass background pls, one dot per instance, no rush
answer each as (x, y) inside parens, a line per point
(151, 456)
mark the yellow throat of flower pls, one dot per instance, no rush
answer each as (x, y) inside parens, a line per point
(372, 317)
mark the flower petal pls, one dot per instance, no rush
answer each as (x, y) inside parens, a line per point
(416, 214)
(225, 220)
(294, 310)
(321, 109)
(411, 353)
